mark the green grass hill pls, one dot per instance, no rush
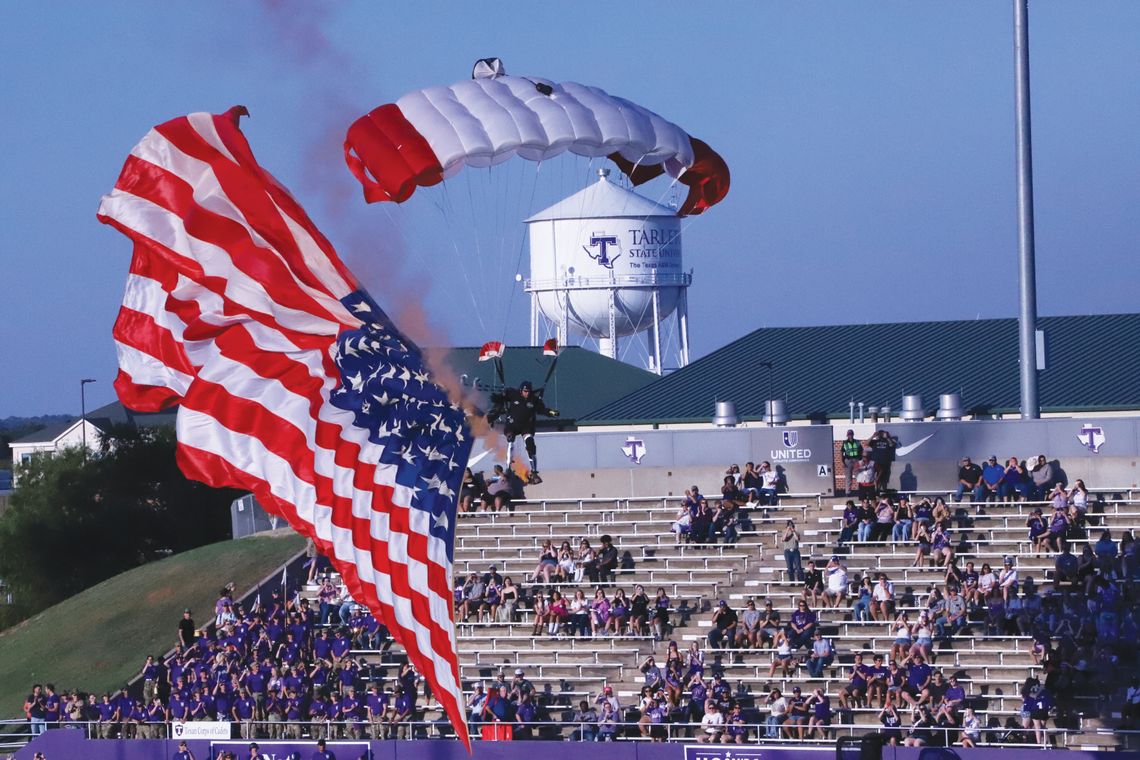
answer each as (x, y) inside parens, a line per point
(97, 640)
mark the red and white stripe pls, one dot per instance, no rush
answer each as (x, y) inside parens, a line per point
(231, 307)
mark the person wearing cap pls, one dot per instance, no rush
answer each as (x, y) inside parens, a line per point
(969, 479)
(891, 721)
(492, 576)
(519, 410)
(1007, 579)
(322, 752)
(186, 629)
(953, 619)
(520, 686)
(797, 715)
(724, 620)
(183, 752)
(606, 697)
(1039, 538)
(255, 751)
(822, 654)
(993, 477)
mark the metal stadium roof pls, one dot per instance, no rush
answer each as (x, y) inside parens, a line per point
(1092, 363)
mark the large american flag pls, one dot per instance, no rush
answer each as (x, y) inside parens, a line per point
(290, 381)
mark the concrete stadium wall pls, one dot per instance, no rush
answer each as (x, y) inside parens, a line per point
(70, 744)
(933, 464)
(594, 463)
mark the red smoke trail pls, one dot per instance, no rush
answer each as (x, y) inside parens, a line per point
(371, 241)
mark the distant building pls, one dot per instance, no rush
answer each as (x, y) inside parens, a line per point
(55, 438)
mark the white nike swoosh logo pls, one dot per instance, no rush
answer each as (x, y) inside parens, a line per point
(475, 459)
(902, 451)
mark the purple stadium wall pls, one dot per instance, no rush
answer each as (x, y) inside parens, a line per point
(65, 744)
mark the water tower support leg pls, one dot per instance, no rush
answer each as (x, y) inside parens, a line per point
(683, 326)
(534, 319)
(612, 353)
(656, 333)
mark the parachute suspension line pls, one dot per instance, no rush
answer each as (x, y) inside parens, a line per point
(448, 214)
(518, 259)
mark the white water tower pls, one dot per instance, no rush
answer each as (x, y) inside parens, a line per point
(606, 264)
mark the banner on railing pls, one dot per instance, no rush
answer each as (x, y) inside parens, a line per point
(201, 729)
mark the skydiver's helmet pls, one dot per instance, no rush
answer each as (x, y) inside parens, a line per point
(526, 385)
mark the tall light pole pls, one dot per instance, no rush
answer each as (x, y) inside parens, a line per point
(1026, 264)
(83, 411)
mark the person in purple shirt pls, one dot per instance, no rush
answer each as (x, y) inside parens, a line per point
(290, 680)
(878, 677)
(108, 713)
(376, 703)
(952, 702)
(323, 752)
(322, 645)
(850, 523)
(243, 711)
(156, 718)
(918, 676)
(350, 714)
(183, 752)
(136, 723)
(318, 717)
(347, 673)
(341, 645)
(195, 707)
(294, 714)
(223, 699)
(336, 718)
(801, 626)
(319, 675)
(404, 710)
(51, 705)
(852, 694)
(820, 720)
(177, 704)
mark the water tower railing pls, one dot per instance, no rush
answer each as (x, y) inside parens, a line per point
(648, 280)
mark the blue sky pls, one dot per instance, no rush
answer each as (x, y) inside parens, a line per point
(871, 148)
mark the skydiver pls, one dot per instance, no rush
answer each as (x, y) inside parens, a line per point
(519, 408)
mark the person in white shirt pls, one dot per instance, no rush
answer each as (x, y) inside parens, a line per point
(712, 724)
(883, 599)
(779, 713)
(1007, 579)
(836, 574)
(769, 484)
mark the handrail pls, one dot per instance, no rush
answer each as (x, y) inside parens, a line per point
(623, 731)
